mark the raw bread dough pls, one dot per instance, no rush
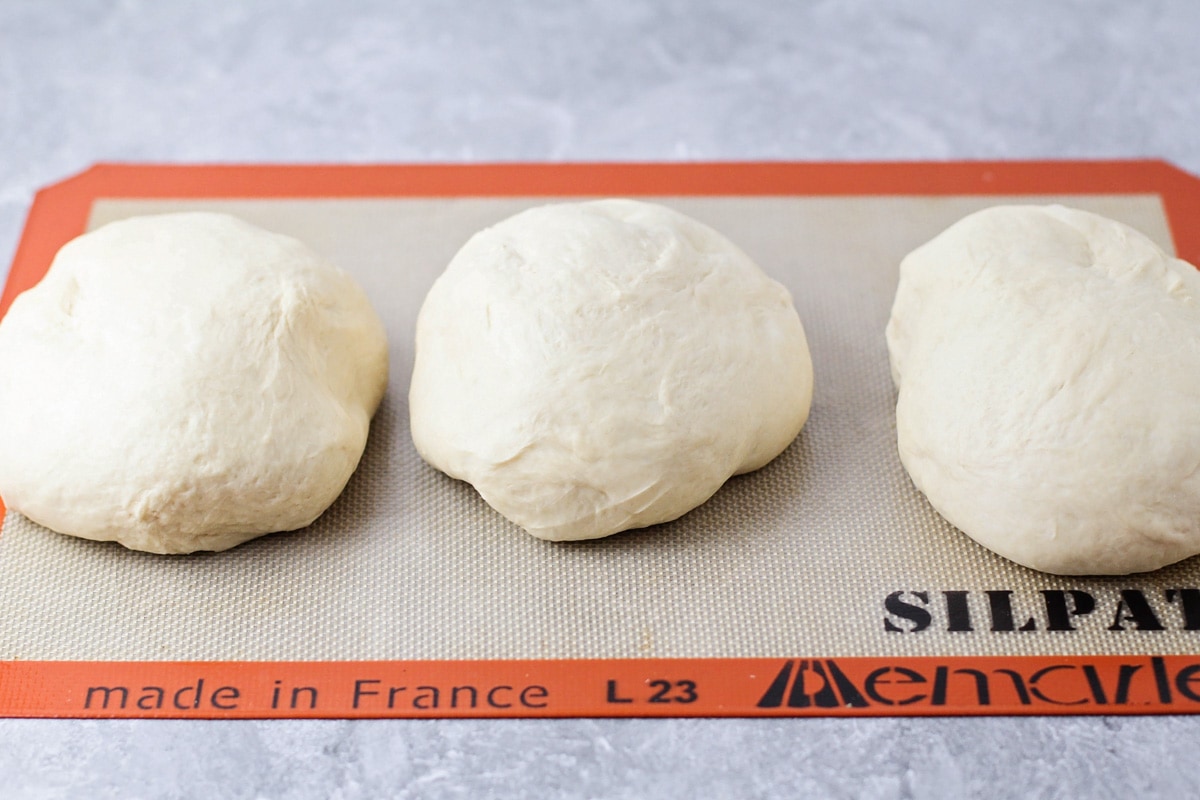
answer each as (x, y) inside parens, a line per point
(594, 367)
(1048, 362)
(185, 382)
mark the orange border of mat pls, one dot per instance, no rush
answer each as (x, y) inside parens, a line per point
(805, 685)
(716, 687)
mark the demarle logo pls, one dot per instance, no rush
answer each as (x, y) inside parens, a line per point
(835, 688)
(1137, 682)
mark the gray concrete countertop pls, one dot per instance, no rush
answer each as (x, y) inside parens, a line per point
(367, 81)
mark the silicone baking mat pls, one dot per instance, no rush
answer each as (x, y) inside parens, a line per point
(822, 584)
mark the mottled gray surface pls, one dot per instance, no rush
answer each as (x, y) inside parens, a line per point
(384, 81)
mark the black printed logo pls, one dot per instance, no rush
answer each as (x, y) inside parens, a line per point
(794, 687)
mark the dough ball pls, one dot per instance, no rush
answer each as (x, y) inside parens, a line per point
(185, 382)
(594, 367)
(1048, 365)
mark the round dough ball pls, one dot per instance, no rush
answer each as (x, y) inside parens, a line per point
(185, 382)
(594, 367)
(1048, 365)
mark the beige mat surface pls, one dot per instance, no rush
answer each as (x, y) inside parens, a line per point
(796, 558)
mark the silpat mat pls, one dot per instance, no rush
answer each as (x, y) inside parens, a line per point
(822, 584)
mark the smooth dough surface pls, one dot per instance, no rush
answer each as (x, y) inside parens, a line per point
(1048, 366)
(594, 367)
(185, 382)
